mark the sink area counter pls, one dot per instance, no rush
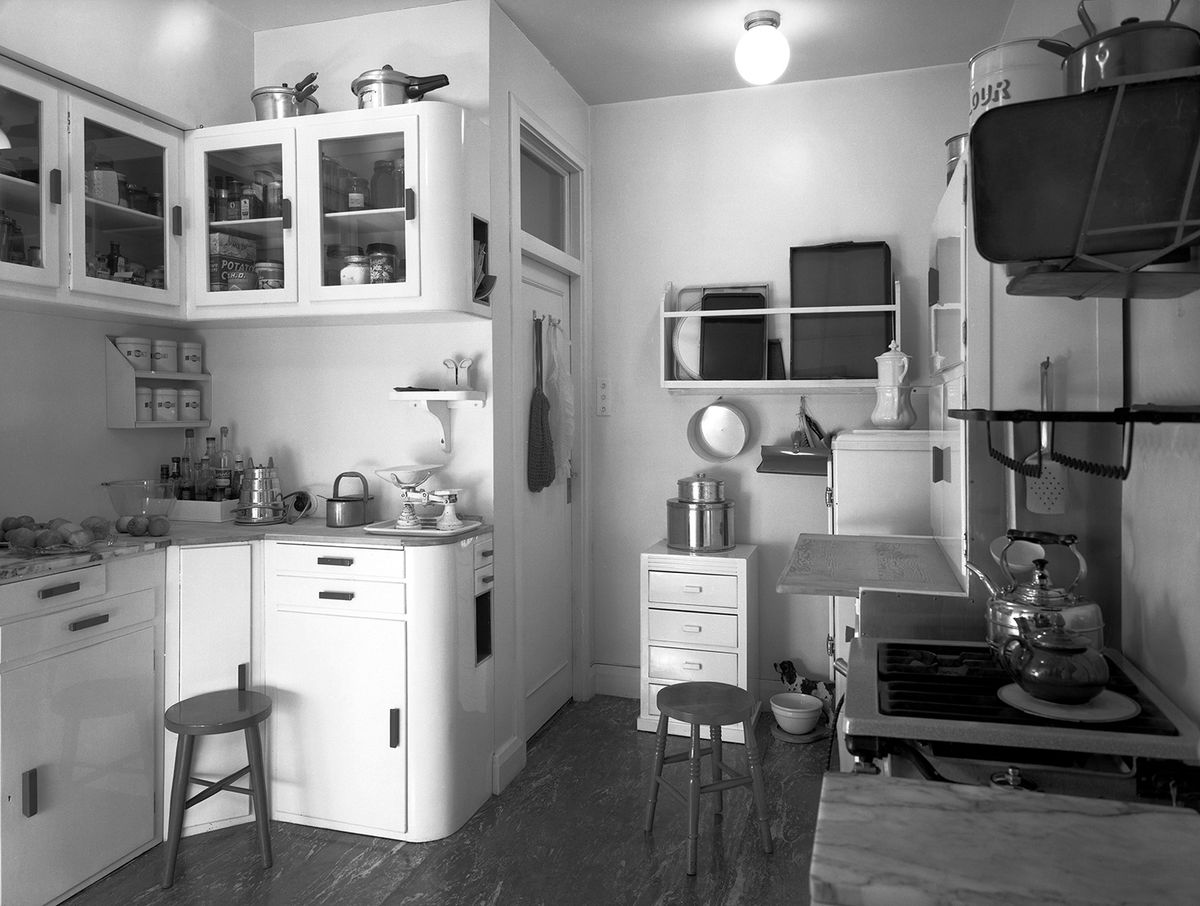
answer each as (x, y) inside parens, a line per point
(883, 840)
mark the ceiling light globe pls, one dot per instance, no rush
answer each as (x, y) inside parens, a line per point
(762, 53)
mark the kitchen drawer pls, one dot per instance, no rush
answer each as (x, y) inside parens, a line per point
(485, 579)
(692, 588)
(65, 627)
(693, 628)
(689, 665)
(337, 595)
(337, 560)
(55, 590)
(484, 551)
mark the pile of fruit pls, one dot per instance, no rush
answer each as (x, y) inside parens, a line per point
(26, 533)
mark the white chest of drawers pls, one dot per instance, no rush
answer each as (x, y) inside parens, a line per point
(698, 624)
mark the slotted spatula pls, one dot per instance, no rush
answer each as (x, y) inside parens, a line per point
(1047, 493)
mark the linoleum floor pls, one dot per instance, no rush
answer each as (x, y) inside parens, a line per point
(567, 830)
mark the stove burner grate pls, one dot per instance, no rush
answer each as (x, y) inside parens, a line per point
(954, 682)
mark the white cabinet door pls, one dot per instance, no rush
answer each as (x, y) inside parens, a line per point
(339, 729)
(211, 641)
(85, 722)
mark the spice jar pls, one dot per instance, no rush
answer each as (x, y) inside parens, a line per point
(358, 194)
(233, 204)
(249, 207)
(355, 270)
(385, 185)
(381, 259)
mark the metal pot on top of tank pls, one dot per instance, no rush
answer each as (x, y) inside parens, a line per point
(700, 519)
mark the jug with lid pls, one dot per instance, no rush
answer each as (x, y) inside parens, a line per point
(893, 403)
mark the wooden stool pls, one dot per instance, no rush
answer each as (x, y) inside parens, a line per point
(226, 711)
(713, 705)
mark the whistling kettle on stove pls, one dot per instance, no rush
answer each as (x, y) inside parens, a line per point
(1054, 664)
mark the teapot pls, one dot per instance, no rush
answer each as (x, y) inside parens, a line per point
(1054, 664)
(1038, 596)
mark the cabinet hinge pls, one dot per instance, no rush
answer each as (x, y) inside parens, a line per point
(829, 647)
(964, 328)
(829, 498)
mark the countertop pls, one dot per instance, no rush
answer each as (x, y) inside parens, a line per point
(883, 841)
(843, 564)
(310, 530)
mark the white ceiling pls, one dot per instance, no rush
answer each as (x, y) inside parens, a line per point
(624, 50)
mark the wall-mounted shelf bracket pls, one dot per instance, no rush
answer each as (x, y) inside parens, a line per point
(1126, 417)
(438, 403)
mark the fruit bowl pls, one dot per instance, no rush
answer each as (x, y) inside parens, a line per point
(141, 497)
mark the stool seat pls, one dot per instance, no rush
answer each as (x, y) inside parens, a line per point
(209, 714)
(707, 704)
(224, 711)
(712, 705)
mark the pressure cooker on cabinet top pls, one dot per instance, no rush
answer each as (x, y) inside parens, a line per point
(700, 519)
(386, 86)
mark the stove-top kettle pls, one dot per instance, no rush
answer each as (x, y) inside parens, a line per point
(1037, 596)
(1054, 664)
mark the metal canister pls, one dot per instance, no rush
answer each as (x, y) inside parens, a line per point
(700, 519)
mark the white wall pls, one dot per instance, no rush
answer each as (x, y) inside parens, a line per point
(716, 188)
(183, 61)
(449, 38)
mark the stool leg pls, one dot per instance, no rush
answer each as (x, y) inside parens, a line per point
(660, 749)
(179, 788)
(258, 790)
(715, 735)
(756, 783)
(693, 800)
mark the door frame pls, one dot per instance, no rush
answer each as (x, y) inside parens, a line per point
(577, 269)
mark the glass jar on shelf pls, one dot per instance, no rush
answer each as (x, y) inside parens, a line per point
(249, 206)
(385, 184)
(381, 261)
(233, 201)
(355, 270)
(358, 194)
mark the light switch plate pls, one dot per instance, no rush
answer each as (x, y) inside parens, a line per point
(604, 396)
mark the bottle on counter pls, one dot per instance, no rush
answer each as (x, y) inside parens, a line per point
(164, 472)
(223, 468)
(239, 473)
(187, 480)
(206, 480)
(175, 478)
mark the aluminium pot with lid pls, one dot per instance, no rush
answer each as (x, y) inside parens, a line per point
(700, 519)
(278, 101)
(386, 86)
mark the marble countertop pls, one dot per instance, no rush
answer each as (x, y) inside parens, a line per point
(883, 841)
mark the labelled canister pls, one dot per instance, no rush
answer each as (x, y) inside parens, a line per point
(190, 358)
(164, 355)
(189, 405)
(136, 351)
(166, 404)
(144, 409)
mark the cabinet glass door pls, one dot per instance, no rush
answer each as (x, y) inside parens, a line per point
(364, 208)
(246, 224)
(30, 183)
(124, 177)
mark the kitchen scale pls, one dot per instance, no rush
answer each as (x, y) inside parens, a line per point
(409, 480)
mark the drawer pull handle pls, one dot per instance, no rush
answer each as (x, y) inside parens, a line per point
(694, 589)
(57, 590)
(394, 728)
(336, 595)
(692, 627)
(488, 553)
(88, 622)
(692, 665)
(487, 579)
(335, 561)
(29, 805)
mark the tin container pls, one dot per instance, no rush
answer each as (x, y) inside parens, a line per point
(1012, 73)
(166, 404)
(145, 404)
(269, 274)
(164, 355)
(137, 351)
(189, 405)
(700, 519)
(190, 357)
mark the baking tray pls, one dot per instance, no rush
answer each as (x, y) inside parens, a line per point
(733, 348)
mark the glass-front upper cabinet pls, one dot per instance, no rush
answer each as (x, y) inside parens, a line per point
(126, 227)
(30, 181)
(366, 211)
(243, 188)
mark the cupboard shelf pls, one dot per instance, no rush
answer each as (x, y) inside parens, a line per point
(122, 383)
(438, 403)
(1127, 417)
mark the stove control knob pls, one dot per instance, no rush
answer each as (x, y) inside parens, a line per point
(1012, 779)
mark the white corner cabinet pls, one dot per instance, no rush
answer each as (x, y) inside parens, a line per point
(683, 326)
(123, 382)
(699, 623)
(80, 718)
(296, 196)
(90, 200)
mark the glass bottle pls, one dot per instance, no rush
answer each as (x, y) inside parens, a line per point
(358, 195)
(233, 204)
(249, 207)
(189, 445)
(239, 473)
(208, 476)
(114, 262)
(223, 468)
(385, 185)
(174, 478)
(187, 480)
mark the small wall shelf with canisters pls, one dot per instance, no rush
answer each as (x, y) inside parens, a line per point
(731, 338)
(124, 381)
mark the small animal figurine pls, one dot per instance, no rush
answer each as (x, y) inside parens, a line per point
(787, 675)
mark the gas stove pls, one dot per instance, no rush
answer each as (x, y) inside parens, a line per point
(932, 709)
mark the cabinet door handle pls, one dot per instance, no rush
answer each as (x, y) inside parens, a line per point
(88, 622)
(335, 561)
(692, 665)
(410, 204)
(486, 553)
(394, 728)
(56, 186)
(486, 579)
(691, 627)
(57, 590)
(336, 595)
(29, 793)
(243, 676)
(934, 287)
(693, 589)
(177, 220)
(285, 213)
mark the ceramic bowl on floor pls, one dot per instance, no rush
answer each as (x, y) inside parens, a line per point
(796, 712)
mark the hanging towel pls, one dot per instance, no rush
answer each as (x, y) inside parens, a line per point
(539, 472)
(562, 409)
